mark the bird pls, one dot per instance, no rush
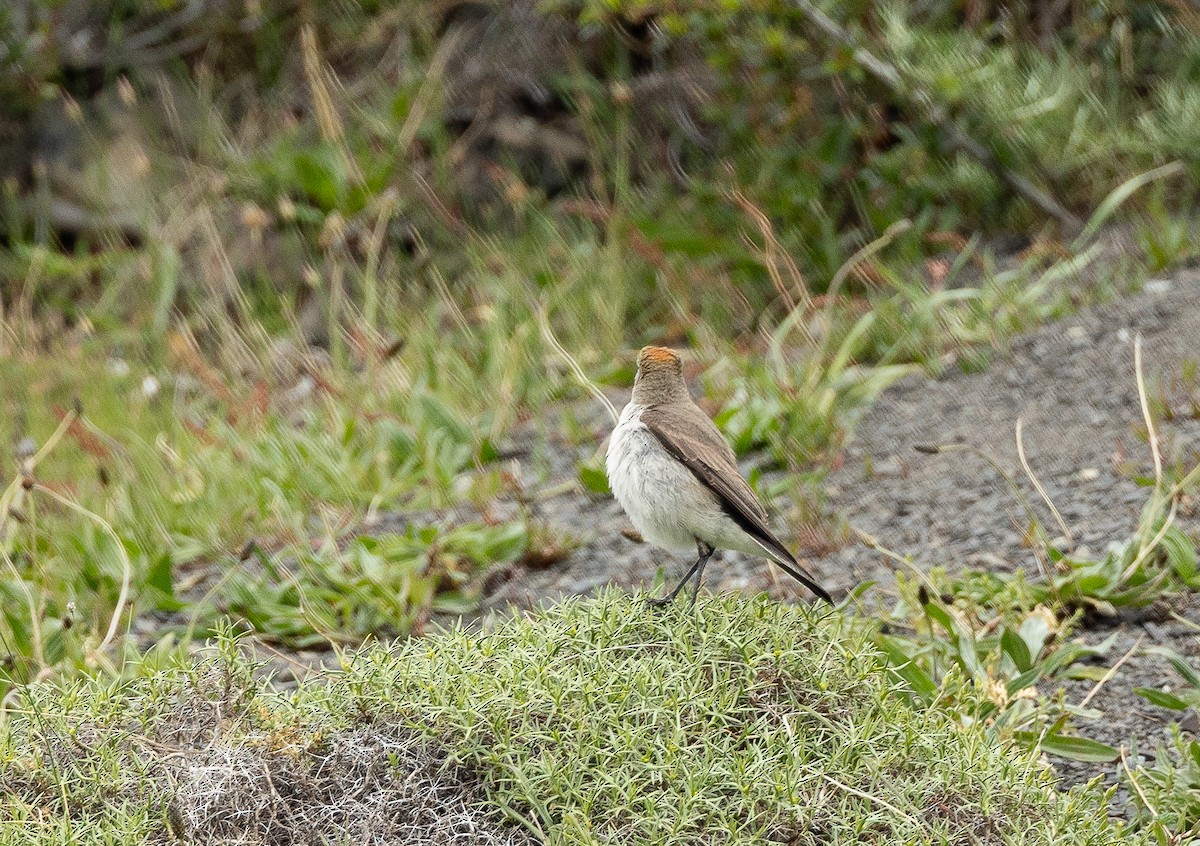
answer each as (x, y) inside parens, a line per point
(676, 477)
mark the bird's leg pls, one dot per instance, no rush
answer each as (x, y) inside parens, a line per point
(670, 597)
(706, 552)
(696, 570)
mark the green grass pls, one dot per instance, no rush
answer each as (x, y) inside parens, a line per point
(595, 722)
(202, 499)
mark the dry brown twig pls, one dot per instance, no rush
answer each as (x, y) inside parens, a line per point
(773, 255)
(1112, 671)
(1037, 485)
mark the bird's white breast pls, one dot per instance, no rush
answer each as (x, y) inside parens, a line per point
(665, 502)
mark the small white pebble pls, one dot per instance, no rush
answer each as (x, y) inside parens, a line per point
(1076, 332)
(1089, 474)
(150, 387)
(1123, 336)
(1158, 286)
(118, 367)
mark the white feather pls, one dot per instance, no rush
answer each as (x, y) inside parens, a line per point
(664, 500)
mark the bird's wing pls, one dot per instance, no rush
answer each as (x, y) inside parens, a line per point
(693, 439)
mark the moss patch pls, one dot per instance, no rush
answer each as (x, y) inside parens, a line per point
(594, 722)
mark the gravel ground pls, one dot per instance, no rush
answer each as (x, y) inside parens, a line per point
(1072, 384)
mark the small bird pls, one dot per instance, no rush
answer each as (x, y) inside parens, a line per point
(676, 477)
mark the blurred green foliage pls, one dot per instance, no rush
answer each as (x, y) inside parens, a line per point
(374, 120)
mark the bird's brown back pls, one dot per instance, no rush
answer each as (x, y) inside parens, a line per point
(688, 434)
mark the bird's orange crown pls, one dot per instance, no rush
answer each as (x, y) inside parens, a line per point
(653, 358)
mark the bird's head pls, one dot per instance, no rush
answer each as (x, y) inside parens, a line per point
(659, 377)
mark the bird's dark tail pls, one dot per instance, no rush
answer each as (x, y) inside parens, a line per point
(787, 562)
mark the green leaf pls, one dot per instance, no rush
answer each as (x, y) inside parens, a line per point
(505, 542)
(1086, 672)
(159, 575)
(487, 452)
(858, 591)
(1016, 649)
(438, 415)
(1161, 698)
(1093, 585)
(968, 654)
(1073, 748)
(595, 479)
(486, 544)
(941, 615)
(1134, 597)
(160, 578)
(1179, 663)
(906, 668)
(318, 181)
(1180, 553)
(400, 445)
(1067, 655)
(1026, 679)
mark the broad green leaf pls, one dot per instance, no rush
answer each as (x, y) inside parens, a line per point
(1094, 585)
(1014, 647)
(1073, 748)
(1026, 679)
(487, 451)
(1161, 698)
(1180, 553)
(941, 615)
(438, 415)
(1086, 672)
(906, 668)
(968, 655)
(594, 479)
(159, 576)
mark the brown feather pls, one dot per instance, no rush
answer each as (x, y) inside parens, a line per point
(695, 441)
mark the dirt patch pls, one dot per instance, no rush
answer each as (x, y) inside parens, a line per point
(1122, 718)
